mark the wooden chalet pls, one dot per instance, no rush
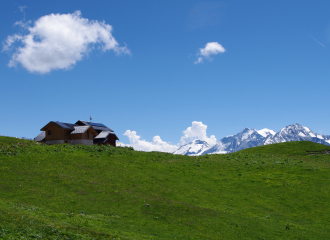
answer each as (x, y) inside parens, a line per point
(82, 132)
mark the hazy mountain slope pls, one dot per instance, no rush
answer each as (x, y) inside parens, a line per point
(245, 139)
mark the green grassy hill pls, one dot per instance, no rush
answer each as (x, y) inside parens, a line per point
(100, 192)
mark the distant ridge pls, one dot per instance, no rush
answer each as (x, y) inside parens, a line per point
(249, 137)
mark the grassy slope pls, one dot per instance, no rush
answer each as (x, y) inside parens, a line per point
(90, 192)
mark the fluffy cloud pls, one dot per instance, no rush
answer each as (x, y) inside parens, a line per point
(157, 143)
(211, 48)
(196, 131)
(58, 41)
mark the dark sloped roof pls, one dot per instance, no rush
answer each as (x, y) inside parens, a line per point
(65, 125)
(81, 123)
(68, 126)
(40, 137)
(96, 126)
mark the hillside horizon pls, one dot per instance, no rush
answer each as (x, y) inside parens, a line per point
(96, 192)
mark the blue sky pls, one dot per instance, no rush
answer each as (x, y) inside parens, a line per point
(268, 67)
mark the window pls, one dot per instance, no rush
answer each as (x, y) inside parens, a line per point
(49, 132)
(87, 134)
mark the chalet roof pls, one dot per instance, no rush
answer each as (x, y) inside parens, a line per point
(79, 129)
(104, 135)
(99, 130)
(96, 126)
(40, 137)
(65, 125)
(68, 126)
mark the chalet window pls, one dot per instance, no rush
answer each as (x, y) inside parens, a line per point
(49, 132)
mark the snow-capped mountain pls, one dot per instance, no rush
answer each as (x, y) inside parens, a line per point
(295, 132)
(252, 138)
(194, 148)
(245, 139)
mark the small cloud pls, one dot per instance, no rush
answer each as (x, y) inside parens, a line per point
(157, 143)
(58, 41)
(23, 24)
(21, 8)
(197, 131)
(199, 60)
(9, 42)
(211, 48)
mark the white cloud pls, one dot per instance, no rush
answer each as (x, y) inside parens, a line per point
(211, 48)
(9, 41)
(23, 24)
(196, 131)
(58, 41)
(157, 143)
(21, 8)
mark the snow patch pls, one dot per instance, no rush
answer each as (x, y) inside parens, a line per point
(265, 132)
(320, 136)
(247, 134)
(307, 129)
(312, 134)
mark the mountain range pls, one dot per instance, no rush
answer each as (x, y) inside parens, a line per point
(249, 137)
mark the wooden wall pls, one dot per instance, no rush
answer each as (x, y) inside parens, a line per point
(111, 140)
(84, 135)
(92, 134)
(57, 133)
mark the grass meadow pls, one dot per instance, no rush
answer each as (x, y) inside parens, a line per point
(101, 192)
